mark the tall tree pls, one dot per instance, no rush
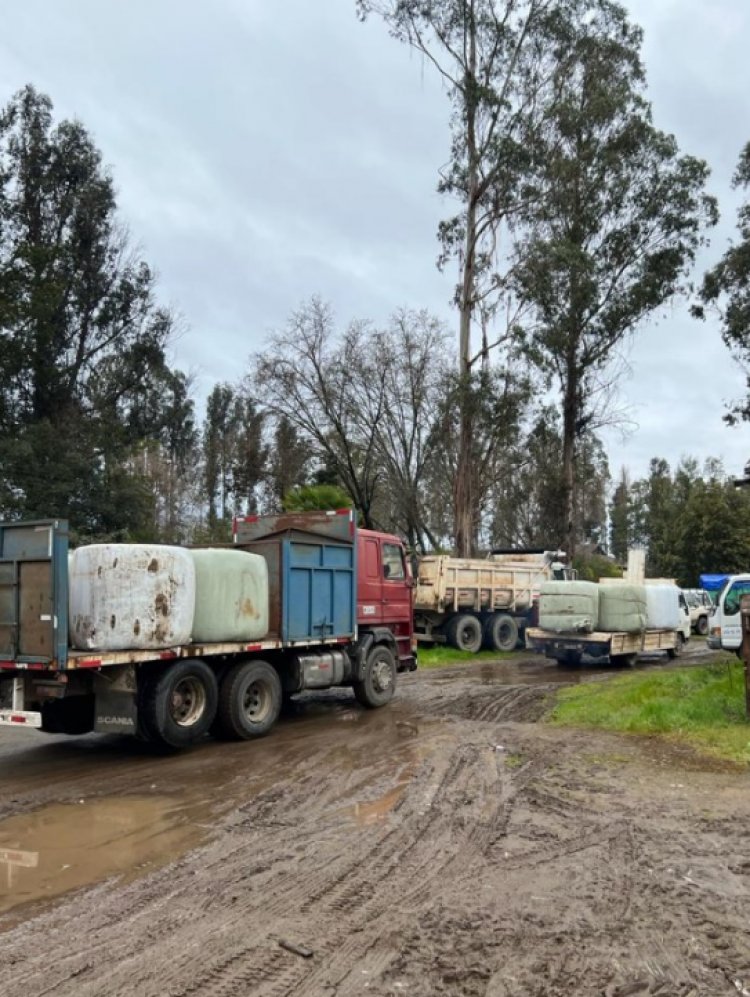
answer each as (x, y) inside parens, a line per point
(409, 356)
(249, 460)
(620, 525)
(82, 339)
(313, 377)
(728, 285)
(487, 53)
(290, 461)
(218, 432)
(615, 220)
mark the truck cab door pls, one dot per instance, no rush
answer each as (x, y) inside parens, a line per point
(729, 613)
(397, 596)
(370, 583)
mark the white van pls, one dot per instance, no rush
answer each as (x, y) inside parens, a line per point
(725, 628)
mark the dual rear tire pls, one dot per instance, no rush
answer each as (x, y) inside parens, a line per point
(182, 704)
(466, 632)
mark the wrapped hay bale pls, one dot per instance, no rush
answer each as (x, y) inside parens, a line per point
(662, 607)
(231, 596)
(568, 607)
(622, 608)
(123, 596)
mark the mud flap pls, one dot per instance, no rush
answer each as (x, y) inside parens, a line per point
(116, 709)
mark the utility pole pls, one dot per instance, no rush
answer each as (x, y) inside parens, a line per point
(745, 616)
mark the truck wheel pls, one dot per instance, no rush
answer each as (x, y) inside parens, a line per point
(702, 625)
(379, 681)
(250, 700)
(464, 632)
(179, 704)
(623, 660)
(500, 633)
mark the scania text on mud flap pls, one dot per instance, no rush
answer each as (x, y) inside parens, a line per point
(335, 605)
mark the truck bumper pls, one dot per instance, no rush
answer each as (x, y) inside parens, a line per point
(20, 718)
(714, 643)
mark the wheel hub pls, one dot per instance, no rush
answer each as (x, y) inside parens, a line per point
(188, 702)
(256, 702)
(381, 676)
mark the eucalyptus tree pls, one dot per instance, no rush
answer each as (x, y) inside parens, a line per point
(488, 54)
(727, 285)
(614, 220)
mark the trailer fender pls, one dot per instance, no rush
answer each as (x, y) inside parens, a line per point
(368, 640)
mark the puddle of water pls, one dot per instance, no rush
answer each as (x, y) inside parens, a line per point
(65, 846)
(374, 811)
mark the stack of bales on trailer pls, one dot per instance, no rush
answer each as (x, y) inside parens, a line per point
(622, 608)
(231, 596)
(585, 607)
(154, 596)
(139, 596)
(569, 607)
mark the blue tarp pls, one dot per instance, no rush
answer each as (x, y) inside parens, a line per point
(712, 583)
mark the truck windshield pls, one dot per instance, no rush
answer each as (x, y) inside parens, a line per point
(733, 596)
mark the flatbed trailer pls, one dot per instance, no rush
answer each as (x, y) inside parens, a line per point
(621, 648)
(340, 613)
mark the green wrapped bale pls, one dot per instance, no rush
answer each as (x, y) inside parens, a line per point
(622, 608)
(568, 607)
(231, 596)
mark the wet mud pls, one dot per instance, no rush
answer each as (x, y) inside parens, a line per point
(447, 844)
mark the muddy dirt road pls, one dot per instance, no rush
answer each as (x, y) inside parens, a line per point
(448, 844)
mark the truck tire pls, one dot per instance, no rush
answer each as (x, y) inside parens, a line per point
(500, 633)
(464, 632)
(250, 699)
(702, 625)
(178, 705)
(379, 681)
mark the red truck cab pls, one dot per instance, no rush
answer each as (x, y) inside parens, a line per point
(385, 591)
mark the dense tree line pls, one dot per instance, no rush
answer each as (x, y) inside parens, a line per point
(689, 520)
(575, 218)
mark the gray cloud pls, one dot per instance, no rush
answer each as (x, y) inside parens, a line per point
(265, 152)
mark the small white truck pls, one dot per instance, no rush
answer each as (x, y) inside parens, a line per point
(725, 625)
(700, 607)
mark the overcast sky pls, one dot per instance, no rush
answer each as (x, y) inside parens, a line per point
(267, 151)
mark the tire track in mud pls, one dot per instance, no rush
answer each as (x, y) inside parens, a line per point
(525, 870)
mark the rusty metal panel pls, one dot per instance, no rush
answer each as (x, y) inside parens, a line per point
(36, 610)
(339, 525)
(34, 592)
(270, 550)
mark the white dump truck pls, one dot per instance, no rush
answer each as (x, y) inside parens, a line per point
(475, 603)
(613, 621)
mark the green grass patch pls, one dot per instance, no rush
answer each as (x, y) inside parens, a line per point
(439, 655)
(702, 706)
